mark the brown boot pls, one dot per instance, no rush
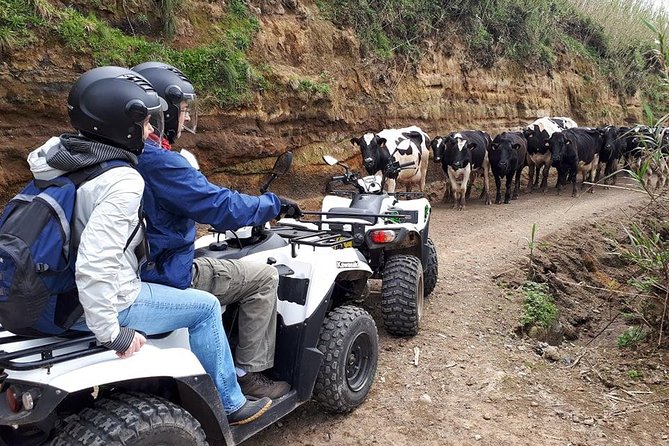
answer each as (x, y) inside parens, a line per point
(258, 385)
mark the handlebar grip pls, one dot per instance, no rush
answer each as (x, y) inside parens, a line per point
(408, 164)
(339, 178)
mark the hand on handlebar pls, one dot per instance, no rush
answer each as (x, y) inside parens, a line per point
(289, 208)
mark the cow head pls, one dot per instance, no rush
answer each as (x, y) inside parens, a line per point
(536, 140)
(502, 153)
(438, 146)
(609, 135)
(457, 151)
(373, 150)
(558, 144)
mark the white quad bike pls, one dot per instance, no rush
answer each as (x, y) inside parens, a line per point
(70, 390)
(393, 238)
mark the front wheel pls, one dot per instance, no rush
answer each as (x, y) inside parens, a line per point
(350, 345)
(402, 294)
(431, 268)
(132, 419)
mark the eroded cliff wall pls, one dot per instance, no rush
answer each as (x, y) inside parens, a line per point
(441, 92)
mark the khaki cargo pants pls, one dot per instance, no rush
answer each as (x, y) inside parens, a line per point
(254, 286)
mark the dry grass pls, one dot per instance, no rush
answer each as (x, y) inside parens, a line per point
(623, 19)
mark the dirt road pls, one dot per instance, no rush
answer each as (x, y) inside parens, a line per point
(476, 381)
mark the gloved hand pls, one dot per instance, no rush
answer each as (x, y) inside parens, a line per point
(289, 208)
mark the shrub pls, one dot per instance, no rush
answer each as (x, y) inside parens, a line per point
(539, 308)
(631, 337)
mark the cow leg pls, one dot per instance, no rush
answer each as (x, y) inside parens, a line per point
(560, 181)
(530, 174)
(486, 179)
(463, 200)
(599, 171)
(447, 195)
(516, 189)
(498, 185)
(544, 180)
(572, 177)
(457, 192)
(468, 192)
(507, 193)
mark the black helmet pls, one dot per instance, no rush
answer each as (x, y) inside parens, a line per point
(111, 104)
(173, 86)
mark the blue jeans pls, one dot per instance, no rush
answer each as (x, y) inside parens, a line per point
(161, 309)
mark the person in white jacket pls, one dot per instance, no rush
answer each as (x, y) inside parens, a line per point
(114, 110)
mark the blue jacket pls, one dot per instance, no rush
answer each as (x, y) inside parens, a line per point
(176, 196)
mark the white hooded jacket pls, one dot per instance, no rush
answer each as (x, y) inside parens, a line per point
(106, 212)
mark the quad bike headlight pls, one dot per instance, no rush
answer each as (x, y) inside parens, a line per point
(383, 236)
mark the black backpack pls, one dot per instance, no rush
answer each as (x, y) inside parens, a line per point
(38, 294)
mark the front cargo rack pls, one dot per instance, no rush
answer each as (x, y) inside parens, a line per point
(317, 238)
(75, 344)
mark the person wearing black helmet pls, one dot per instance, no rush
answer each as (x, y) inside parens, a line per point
(114, 111)
(177, 196)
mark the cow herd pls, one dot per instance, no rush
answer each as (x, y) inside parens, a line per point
(547, 142)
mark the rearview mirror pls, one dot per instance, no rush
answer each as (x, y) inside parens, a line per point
(281, 166)
(330, 160)
(283, 163)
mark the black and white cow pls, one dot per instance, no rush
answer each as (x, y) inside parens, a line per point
(575, 150)
(462, 155)
(404, 145)
(633, 142)
(508, 157)
(538, 153)
(609, 154)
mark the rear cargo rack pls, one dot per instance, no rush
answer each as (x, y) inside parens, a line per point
(78, 344)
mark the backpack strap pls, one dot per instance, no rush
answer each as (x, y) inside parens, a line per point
(80, 176)
(88, 173)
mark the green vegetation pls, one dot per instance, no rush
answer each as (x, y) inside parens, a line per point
(631, 337)
(219, 69)
(17, 17)
(311, 87)
(533, 34)
(539, 308)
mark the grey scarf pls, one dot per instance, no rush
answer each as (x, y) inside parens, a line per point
(75, 152)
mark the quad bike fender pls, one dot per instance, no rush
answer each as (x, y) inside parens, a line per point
(421, 206)
(106, 367)
(318, 267)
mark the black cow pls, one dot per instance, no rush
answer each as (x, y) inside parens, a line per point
(462, 154)
(508, 156)
(609, 154)
(538, 154)
(575, 150)
(404, 145)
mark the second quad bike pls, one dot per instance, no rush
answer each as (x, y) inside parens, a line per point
(395, 240)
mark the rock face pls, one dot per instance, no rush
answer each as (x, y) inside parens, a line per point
(326, 92)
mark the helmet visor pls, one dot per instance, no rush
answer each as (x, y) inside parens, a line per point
(188, 113)
(156, 118)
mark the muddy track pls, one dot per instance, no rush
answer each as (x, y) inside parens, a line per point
(476, 382)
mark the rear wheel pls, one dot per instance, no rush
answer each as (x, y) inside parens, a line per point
(431, 268)
(350, 345)
(131, 419)
(402, 294)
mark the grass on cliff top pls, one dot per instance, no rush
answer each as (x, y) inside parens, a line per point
(220, 70)
(610, 33)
